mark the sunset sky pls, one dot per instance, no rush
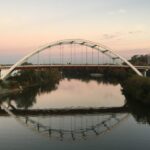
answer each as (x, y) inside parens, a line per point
(123, 25)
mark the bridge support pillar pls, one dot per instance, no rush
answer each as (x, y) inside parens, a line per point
(145, 72)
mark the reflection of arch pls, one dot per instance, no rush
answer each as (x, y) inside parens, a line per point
(96, 46)
(97, 128)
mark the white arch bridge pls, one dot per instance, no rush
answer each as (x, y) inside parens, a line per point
(72, 52)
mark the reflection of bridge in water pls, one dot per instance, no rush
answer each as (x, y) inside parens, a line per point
(77, 125)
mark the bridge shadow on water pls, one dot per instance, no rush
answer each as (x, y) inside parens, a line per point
(65, 123)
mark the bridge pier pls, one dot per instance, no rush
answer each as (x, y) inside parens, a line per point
(145, 72)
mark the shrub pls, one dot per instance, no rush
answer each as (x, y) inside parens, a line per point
(137, 88)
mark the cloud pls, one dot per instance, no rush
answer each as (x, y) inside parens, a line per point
(119, 35)
(135, 32)
(122, 11)
(108, 36)
(119, 11)
(111, 36)
(111, 13)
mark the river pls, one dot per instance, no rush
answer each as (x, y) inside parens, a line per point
(105, 130)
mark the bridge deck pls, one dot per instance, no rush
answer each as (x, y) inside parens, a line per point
(75, 66)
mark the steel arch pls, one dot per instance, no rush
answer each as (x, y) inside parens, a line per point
(103, 49)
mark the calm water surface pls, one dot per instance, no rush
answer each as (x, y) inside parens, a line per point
(104, 131)
(77, 93)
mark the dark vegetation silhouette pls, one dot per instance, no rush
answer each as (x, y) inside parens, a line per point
(134, 88)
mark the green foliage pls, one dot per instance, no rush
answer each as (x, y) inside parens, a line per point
(32, 82)
(141, 60)
(30, 77)
(118, 74)
(26, 63)
(137, 89)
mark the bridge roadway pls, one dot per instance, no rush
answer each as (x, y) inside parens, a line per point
(74, 66)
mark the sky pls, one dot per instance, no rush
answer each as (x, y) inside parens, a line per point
(25, 25)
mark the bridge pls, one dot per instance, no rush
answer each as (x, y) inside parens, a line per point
(73, 123)
(73, 53)
(141, 68)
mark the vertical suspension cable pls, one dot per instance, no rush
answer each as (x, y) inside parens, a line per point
(71, 53)
(50, 56)
(86, 54)
(109, 61)
(113, 61)
(38, 58)
(103, 59)
(60, 54)
(74, 53)
(82, 54)
(98, 57)
(92, 56)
